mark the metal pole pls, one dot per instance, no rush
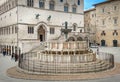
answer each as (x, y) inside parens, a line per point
(17, 34)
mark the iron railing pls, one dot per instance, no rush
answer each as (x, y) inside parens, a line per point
(30, 63)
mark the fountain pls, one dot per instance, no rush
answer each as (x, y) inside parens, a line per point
(65, 58)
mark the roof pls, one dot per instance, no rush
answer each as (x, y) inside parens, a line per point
(104, 2)
(90, 10)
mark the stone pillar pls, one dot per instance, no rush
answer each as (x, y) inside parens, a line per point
(62, 57)
(68, 45)
(57, 45)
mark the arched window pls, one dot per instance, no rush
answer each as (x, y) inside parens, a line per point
(41, 4)
(74, 27)
(51, 5)
(66, 7)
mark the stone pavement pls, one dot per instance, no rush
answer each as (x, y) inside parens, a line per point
(6, 62)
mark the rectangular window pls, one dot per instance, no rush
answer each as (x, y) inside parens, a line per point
(115, 20)
(5, 30)
(9, 6)
(12, 29)
(30, 30)
(16, 29)
(92, 15)
(103, 10)
(103, 22)
(74, 9)
(30, 3)
(115, 8)
(65, 8)
(52, 30)
(13, 3)
(41, 4)
(81, 31)
(51, 6)
(78, 2)
(9, 30)
(2, 31)
(74, 27)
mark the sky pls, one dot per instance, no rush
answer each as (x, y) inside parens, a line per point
(88, 3)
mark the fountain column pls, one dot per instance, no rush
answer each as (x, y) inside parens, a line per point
(66, 30)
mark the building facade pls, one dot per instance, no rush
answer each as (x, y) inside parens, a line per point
(26, 23)
(107, 22)
(90, 24)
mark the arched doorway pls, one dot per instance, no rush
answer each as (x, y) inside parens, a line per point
(41, 34)
(115, 43)
(102, 42)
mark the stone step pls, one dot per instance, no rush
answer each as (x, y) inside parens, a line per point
(38, 63)
(68, 70)
(50, 69)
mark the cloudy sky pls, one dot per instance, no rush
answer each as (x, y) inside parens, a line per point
(88, 3)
